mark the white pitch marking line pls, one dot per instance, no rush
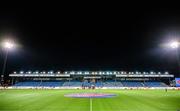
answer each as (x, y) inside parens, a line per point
(90, 104)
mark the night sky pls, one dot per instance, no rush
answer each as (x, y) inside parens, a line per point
(105, 39)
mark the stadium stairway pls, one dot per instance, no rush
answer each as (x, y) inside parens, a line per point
(155, 84)
(132, 84)
(51, 84)
(109, 84)
(72, 84)
(118, 84)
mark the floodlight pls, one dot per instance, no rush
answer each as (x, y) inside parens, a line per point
(86, 72)
(72, 72)
(8, 44)
(166, 72)
(174, 44)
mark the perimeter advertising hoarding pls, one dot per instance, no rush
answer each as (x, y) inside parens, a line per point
(177, 82)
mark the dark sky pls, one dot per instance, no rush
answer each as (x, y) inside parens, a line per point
(105, 39)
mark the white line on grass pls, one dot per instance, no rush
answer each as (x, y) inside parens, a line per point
(90, 104)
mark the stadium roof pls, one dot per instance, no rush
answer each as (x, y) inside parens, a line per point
(68, 73)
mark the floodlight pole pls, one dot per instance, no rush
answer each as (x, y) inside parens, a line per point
(178, 59)
(4, 65)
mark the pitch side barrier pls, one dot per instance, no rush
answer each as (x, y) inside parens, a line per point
(173, 88)
(140, 88)
(22, 87)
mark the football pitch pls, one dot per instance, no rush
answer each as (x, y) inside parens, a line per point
(54, 100)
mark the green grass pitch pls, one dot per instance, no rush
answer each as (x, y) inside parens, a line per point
(54, 100)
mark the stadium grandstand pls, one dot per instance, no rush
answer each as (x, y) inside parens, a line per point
(90, 79)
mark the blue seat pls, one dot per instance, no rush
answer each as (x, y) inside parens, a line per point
(132, 84)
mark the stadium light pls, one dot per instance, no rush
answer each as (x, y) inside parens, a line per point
(166, 72)
(86, 72)
(6, 45)
(21, 72)
(174, 44)
(72, 72)
(151, 72)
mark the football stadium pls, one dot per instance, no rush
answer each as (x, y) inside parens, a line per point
(90, 91)
(115, 58)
